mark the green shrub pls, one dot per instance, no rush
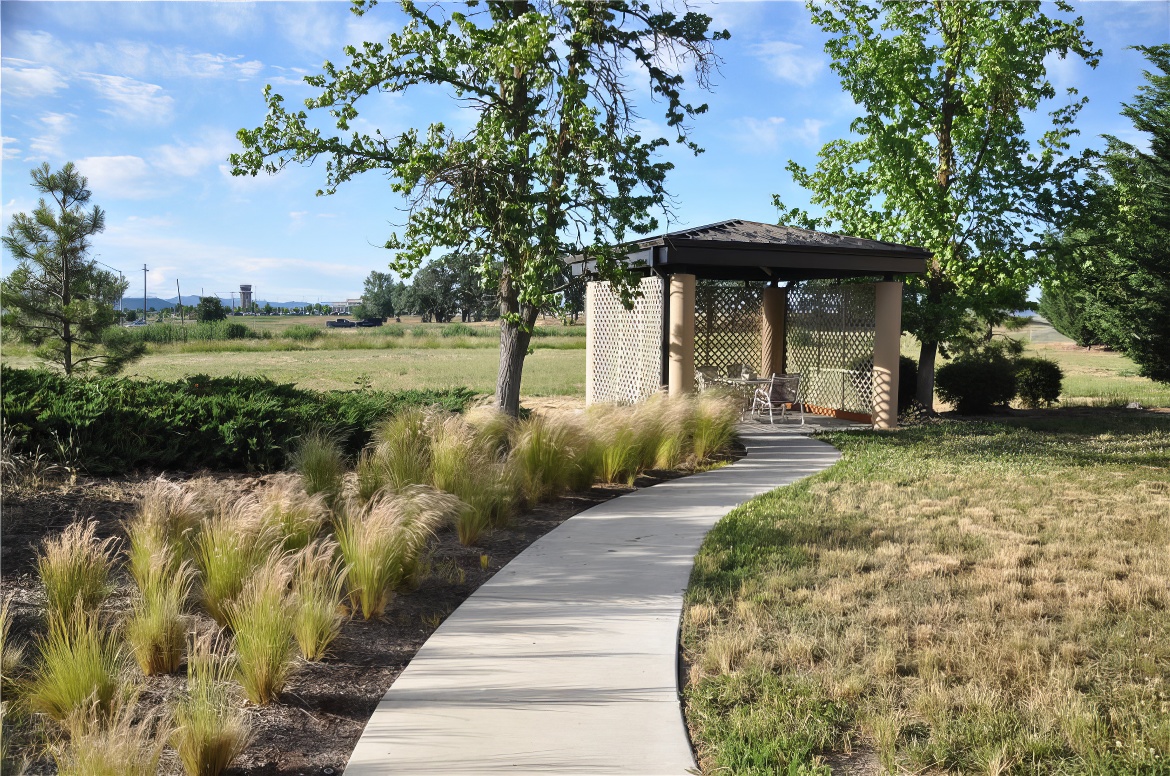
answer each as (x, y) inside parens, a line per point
(250, 423)
(1038, 381)
(211, 726)
(975, 385)
(302, 332)
(907, 382)
(459, 330)
(78, 670)
(75, 570)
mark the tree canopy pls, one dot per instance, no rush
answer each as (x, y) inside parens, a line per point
(210, 308)
(1116, 251)
(56, 298)
(553, 162)
(946, 153)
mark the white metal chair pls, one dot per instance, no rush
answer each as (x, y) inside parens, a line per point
(706, 377)
(781, 393)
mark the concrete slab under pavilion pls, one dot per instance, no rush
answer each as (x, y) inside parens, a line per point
(779, 299)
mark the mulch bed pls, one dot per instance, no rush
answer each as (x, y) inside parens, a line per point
(324, 708)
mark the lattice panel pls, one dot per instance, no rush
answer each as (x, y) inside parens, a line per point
(830, 338)
(627, 344)
(727, 325)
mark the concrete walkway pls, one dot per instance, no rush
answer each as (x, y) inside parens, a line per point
(565, 662)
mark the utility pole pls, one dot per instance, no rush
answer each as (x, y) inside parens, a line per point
(182, 318)
(233, 296)
(144, 292)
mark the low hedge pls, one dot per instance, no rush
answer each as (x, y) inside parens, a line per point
(116, 425)
(975, 385)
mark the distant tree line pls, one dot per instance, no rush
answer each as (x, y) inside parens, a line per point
(453, 288)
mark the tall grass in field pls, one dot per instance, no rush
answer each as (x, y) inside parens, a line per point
(288, 510)
(78, 669)
(318, 586)
(321, 464)
(232, 545)
(261, 618)
(381, 542)
(155, 630)
(75, 570)
(211, 727)
(122, 746)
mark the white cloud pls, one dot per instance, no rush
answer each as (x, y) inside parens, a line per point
(10, 153)
(137, 101)
(118, 177)
(767, 134)
(48, 143)
(787, 62)
(189, 159)
(26, 79)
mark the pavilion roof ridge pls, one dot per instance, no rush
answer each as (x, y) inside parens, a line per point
(737, 230)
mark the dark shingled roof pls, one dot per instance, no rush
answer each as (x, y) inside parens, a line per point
(755, 233)
(748, 250)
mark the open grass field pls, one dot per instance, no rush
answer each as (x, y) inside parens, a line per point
(958, 597)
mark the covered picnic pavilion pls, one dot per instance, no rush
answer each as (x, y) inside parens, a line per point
(773, 299)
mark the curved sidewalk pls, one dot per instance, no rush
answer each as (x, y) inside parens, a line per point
(565, 662)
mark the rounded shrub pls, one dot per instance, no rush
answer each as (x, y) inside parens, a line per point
(301, 332)
(1038, 381)
(907, 382)
(236, 331)
(975, 385)
(458, 330)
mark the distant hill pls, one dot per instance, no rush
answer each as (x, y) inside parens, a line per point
(135, 303)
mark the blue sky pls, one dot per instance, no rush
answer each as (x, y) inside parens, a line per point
(146, 98)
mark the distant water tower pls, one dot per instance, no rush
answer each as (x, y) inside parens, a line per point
(246, 297)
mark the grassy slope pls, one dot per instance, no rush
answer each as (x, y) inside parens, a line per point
(960, 597)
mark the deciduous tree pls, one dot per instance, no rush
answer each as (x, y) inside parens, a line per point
(554, 161)
(56, 298)
(210, 308)
(952, 150)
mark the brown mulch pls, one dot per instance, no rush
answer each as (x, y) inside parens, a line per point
(320, 715)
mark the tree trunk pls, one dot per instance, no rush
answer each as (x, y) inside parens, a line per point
(515, 336)
(925, 388)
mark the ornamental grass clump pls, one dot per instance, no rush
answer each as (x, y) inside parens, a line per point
(462, 465)
(79, 668)
(75, 570)
(382, 541)
(171, 511)
(672, 440)
(261, 618)
(542, 455)
(403, 449)
(320, 462)
(211, 726)
(11, 653)
(288, 510)
(715, 420)
(121, 746)
(318, 586)
(232, 545)
(156, 628)
(492, 428)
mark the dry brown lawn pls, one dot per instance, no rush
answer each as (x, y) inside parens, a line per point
(961, 598)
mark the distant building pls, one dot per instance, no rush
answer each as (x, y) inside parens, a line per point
(246, 297)
(344, 308)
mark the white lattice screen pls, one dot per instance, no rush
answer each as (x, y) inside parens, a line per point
(830, 338)
(627, 344)
(727, 324)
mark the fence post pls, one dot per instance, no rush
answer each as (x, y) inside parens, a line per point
(681, 375)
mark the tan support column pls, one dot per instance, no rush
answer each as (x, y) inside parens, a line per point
(886, 349)
(590, 340)
(773, 357)
(681, 353)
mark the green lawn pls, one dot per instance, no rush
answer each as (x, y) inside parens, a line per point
(546, 372)
(958, 597)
